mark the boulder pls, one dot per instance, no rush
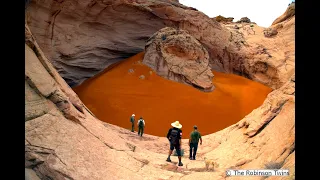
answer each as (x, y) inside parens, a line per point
(223, 19)
(176, 55)
(244, 20)
(269, 32)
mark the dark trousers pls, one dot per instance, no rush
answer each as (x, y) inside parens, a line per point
(132, 127)
(177, 147)
(193, 146)
(140, 131)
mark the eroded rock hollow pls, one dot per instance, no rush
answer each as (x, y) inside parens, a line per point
(70, 41)
(82, 38)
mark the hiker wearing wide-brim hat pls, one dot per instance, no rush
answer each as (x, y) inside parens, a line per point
(132, 122)
(174, 136)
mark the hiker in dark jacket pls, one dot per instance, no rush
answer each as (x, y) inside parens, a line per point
(132, 122)
(193, 142)
(141, 125)
(174, 136)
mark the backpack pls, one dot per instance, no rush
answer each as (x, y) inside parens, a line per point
(174, 136)
(140, 123)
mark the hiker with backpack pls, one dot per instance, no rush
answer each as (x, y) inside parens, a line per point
(193, 142)
(174, 136)
(132, 122)
(141, 125)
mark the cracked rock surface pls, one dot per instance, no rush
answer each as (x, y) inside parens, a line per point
(82, 38)
(178, 56)
(63, 139)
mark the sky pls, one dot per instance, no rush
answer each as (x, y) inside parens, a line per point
(262, 12)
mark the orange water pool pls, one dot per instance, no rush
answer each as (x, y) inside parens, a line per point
(115, 94)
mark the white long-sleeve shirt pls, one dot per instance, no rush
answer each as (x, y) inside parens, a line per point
(142, 121)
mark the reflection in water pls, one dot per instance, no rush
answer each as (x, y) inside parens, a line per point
(116, 93)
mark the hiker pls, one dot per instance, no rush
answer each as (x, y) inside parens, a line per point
(174, 137)
(132, 122)
(193, 142)
(141, 125)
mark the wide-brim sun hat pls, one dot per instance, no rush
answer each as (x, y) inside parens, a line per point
(176, 124)
(133, 115)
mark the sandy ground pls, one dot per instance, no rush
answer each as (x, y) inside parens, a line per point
(116, 93)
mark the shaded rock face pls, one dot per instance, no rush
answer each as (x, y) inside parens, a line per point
(176, 55)
(58, 146)
(63, 139)
(81, 38)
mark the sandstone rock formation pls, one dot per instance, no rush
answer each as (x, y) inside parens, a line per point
(63, 140)
(81, 38)
(244, 20)
(273, 30)
(223, 19)
(178, 56)
(290, 12)
(278, 23)
(269, 32)
(268, 60)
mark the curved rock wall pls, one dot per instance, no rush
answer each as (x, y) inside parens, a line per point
(81, 38)
(64, 141)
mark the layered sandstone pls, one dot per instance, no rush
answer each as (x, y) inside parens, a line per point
(270, 56)
(81, 38)
(176, 55)
(65, 141)
(289, 13)
(59, 128)
(279, 23)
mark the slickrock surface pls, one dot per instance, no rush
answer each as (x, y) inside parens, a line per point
(63, 140)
